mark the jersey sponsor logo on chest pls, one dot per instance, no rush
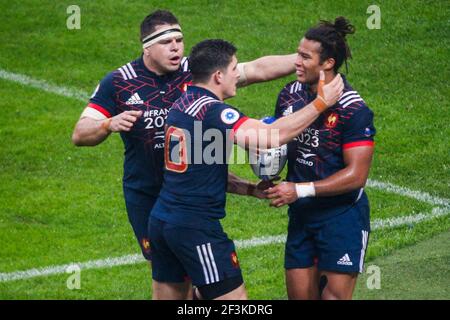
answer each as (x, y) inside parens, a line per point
(288, 111)
(134, 99)
(331, 120)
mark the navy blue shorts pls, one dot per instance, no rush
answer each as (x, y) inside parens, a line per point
(138, 215)
(180, 253)
(336, 244)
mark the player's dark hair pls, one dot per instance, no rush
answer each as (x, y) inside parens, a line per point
(209, 56)
(332, 37)
(156, 18)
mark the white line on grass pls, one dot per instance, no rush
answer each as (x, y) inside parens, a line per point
(44, 85)
(418, 195)
(408, 220)
(240, 244)
(52, 270)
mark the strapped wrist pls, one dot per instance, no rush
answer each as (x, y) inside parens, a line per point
(320, 104)
(305, 190)
(106, 124)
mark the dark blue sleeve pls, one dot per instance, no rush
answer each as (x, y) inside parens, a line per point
(224, 117)
(103, 98)
(359, 129)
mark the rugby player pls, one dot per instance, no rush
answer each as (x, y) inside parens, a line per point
(328, 166)
(185, 231)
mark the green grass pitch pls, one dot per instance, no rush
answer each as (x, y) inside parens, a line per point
(61, 204)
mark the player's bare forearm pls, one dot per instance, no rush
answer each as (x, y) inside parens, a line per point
(237, 185)
(241, 186)
(269, 68)
(343, 181)
(352, 177)
(254, 134)
(89, 132)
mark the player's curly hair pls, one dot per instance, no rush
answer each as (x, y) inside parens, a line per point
(332, 37)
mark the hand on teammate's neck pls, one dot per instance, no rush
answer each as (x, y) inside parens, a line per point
(329, 75)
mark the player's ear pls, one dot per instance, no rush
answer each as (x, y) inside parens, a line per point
(329, 64)
(146, 52)
(218, 77)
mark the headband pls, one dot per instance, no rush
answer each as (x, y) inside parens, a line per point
(161, 35)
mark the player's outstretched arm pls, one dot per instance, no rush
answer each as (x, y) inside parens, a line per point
(266, 68)
(254, 133)
(91, 131)
(354, 176)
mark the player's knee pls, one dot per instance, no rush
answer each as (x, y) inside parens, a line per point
(237, 294)
(219, 289)
(171, 291)
(330, 293)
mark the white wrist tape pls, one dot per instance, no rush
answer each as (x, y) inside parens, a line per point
(305, 190)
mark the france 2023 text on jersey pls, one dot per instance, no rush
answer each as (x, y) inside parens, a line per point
(134, 87)
(317, 152)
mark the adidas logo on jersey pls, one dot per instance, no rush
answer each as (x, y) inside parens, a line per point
(288, 111)
(345, 260)
(134, 99)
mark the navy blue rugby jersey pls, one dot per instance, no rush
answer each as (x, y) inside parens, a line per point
(134, 87)
(199, 136)
(317, 152)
